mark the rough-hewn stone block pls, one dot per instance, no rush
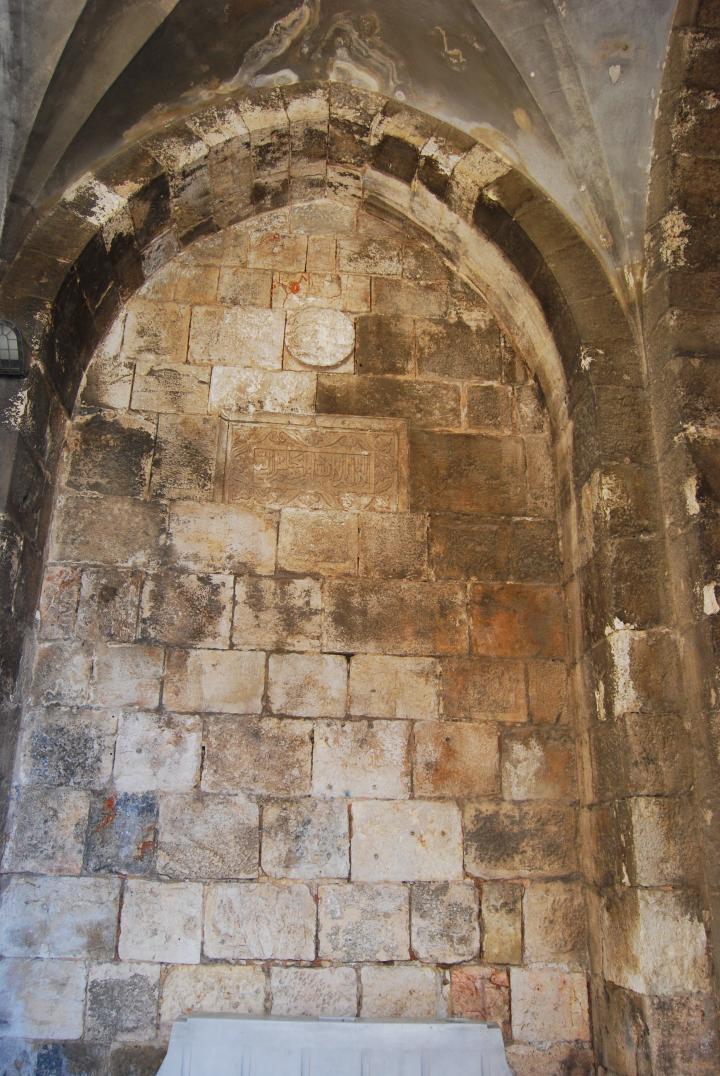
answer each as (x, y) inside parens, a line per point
(204, 988)
(517, 620)
(267, 757)
(406, 841)
(58, 602)
(59, 917)
(156, 331)
(456, 758)
(203, 837)
(308, 685)
(42, 999)
(489, 407)
(538, 766)
(396, 993)
(402, 687)
(502, 922)
(127, 676)
(306, 839)
(277, 614)
(161, 922)
(421, 403)
(481, 993)
(234, 389)
(47, 831)
(260, 921)
(549, 1005)
(393, 545)
(67, 747)
(510, 839)
(176, 388)
(364, 922)
(380, 257)
(157, 751)
(111, 454)
(391, 296)
(361, 759)
(244, 287)
(62, 674)
(214, 681)
(126, 531)
(384, 344)
(458, 350)
(121, 833)
(122, 1002)
(108, 604)
(313, 992)
(554, 918)
(220, 538)
(445, 921)
(547, 692)
(184, 461)
(452, 472)
(184, 609)
(237, 336)
(323, 542)
(484, 690)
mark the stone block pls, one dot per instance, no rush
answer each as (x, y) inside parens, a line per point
(306, 839)
(111, 453)
(47, 830)
(368, 254)
(157, 751)
(662, 841)
(419, 299)
(220, 538)
(121, 834)
(401, 993)
(517, 620)
(122, 1002)
(42, 999)
(554, 918)
(308, 685)
(184, 462)
(502, 922)
(452, 472)
(481, 690)
(126, 531)
(260, 921)
(59, 917)
(208, 988)
(323, 217)
(237, 336)
(127, 676)
(171, 387)
(266, 757)
(62, 674)
(315, 541)
(445, 922)
(361, 759)
(277, 614)
(481, 993)
(489, 407)
(456, 349)
(422, 262)
(245, 287)
(543, 1060)
(161, 922)
(549, 1006)
(156, 331)
(205, 837)
(456, 758)
(108, 604)
(193, 283)
(58, 602)
(406, 841)
(235, 389)
(282, 252)
(329, 291)
(534, 553)
(136, 1060)
(384, 344)
(214, 681)
(364, 922)
(547, 692)
(420, 403)
(313, 992)
(321, 253)
(504, 839)
(72, 748)
(395, 687)
(392, 616)
(538, 765)
(108, 383)
(184, 610)
(393, 545)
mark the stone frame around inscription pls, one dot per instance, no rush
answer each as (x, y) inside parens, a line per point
(313, 461)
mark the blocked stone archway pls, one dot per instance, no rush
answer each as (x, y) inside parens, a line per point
(630, 734)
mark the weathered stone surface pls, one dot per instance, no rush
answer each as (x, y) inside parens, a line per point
(390, 616)
(47, 830)
(157, 751)
(42, 999)
(554, 917)
(542, 1060)
(547, 692)
(361, 759)
(318, 337)
(420, 403)
(177, 388)
(513, 839)
(214, 681)
(59, 917)
(484, 690)
(306, 839)
(62, 674)
(161, 922)
(111, 454)
(538, 766)
(260, 921)
(322, 217)
(204, 988)
(126, 531)
(237, 336)
(108, 604)
(464, 547)
(452, 472)
(122, 1002)
(445, 921)
(156, 330)
(234, 389)
(481, 993)
(184, 610)
(489, 407)
(245, 287)
(364, 922)
(406, 841)
(402, 687)
(329, 290)
(384, 344)
(312, 992)
(396, 993)
(502, 922)
(267, 757)
(184, 461)
(121, 834)
(59, 601)
(273, 251)
(127, 676)
(308, 685)
(375, 255)
(393, 546)
(323, 542)
(517, 620)
(277, 614)
(220, 538)
(203, 837)
(458, 350)
(108, 383)
(136, 1060)
(391, 296)
(456, 758)
(321, 253)
(549, 1006)
(67, 747)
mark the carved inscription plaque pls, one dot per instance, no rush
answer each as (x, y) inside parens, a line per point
(319, 462)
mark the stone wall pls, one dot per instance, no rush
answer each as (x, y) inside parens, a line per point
(298, 737)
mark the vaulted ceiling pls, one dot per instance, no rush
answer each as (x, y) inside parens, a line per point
(566, 89)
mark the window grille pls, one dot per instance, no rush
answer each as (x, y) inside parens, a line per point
(12, 358)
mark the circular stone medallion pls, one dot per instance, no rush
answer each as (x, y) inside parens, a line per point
(318, 337)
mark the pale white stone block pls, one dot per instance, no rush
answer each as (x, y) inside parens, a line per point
(235, 389)
(313, 991)
(203, 837)
(161, 922)
(361, 759)
(406, 841)
(402, 687)
(157, 751)
(212, 988)
(59, 917)
(393, 993)
(42, 999)
(306, 839)
(364, 922)
(308, 685)
(127, 675)
(260, 921)
(314, 541)
(445, 921)
(215, 681)
(549, 1005)
(237, 336)
(220, 538)
(47, 830)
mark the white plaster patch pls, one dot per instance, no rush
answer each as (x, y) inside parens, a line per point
(526, 762)
(675, 228)
(614, 71)
(710, 602)
(319, 337)
(691, 502)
